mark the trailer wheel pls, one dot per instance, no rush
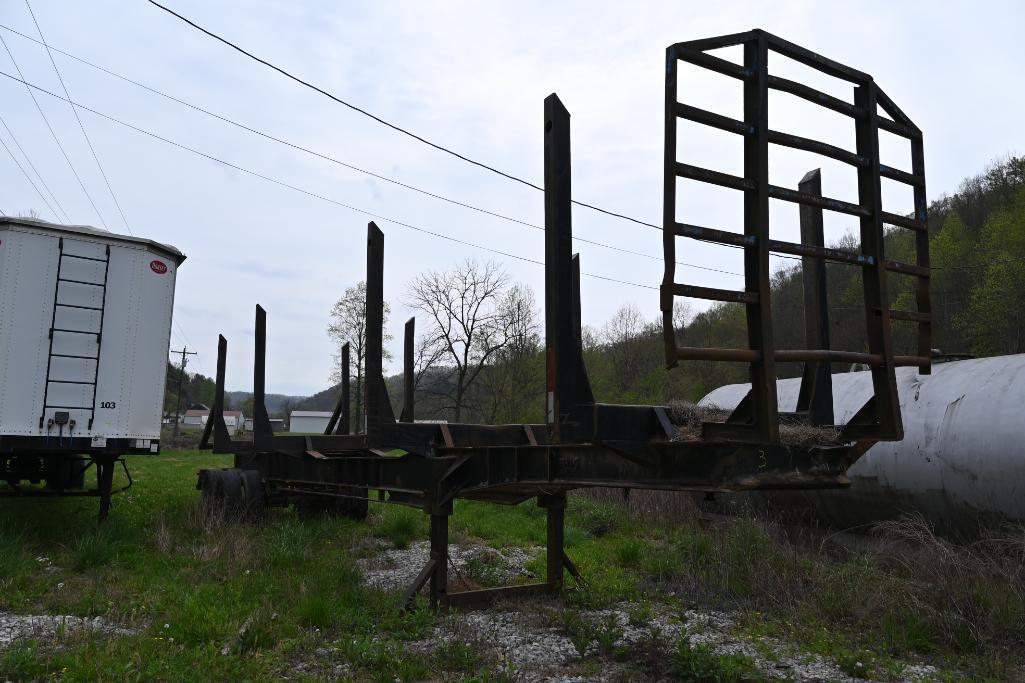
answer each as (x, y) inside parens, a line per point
(252, 492)
(222, 493)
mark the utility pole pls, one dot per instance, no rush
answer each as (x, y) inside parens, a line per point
(181, 376)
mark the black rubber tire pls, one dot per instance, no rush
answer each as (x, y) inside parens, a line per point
(231, 493)
(252, 492)
(211, 492)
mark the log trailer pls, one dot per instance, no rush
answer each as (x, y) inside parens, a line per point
(585, 443)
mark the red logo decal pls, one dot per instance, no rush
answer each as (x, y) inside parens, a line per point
(158, 267)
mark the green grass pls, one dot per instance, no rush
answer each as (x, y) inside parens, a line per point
(247, 601)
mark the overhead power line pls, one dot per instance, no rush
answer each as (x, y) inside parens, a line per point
(393, 126)
(67, 218)
(89, 142)
(339, 162)
(304, 191)
(55, 138)
(28, 178)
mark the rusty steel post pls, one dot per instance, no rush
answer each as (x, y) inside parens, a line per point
(816, 395)
(374, 358)
(408, 372)
(439, 557)
(555, 508)
(877, 310)
(344, 420)
(261, 420)
(756, 225)
(222, 353)
(569, 398)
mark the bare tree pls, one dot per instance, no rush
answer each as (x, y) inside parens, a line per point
(619, 337)
(464, 312)
(349, 325)
(512, 384)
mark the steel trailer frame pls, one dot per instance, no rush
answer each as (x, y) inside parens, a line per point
(583, 444)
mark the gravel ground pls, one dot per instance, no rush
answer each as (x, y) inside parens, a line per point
(47, 627)
(531, 643)
(389, 568)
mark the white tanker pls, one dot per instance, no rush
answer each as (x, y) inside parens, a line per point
(962, 459)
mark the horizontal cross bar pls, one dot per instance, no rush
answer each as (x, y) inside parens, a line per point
(685, 111)
(61, 329)
(815, 96)
(84, 308)
(901, 176)
(706, 175)
(808, 145)
(84, 258)
(907, 268)
(828, 356)
(904, 222)
(816, 61)
(713, 235)
(715, 294)
(68, 381)
(789, 195)
(70, 355)
(898, 128)
(827, 253)
(716, 64)
(81, 282)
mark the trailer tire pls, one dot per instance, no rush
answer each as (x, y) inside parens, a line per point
(252, 492)
(222, 493)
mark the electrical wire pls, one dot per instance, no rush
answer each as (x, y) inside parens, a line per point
(38, 175)
(393, 126)
(55, 138)
(77, 118)
(309, 193)
(344, 164)
(28, 178)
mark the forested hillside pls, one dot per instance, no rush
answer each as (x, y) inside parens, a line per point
(977, 244)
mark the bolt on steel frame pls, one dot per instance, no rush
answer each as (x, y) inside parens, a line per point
(757, 418)
(584, 443)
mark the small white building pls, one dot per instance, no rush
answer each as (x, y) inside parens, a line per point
(308, 421)
(196, 418)
(235, 421)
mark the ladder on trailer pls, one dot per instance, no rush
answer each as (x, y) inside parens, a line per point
(54, 330)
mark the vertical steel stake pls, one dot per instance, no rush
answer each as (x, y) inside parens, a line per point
(439, 554)
(816, 396)
(408, 372)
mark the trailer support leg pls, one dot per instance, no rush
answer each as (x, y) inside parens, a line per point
(555, 505)
(439, 558)
(105, 484)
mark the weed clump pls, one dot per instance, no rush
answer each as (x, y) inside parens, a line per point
(700, 664)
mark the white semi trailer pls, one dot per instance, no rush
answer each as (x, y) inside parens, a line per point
(85, 324)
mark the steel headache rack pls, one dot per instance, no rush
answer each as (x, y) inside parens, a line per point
(585, 443)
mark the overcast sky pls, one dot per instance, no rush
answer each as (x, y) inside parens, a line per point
(471, 76)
